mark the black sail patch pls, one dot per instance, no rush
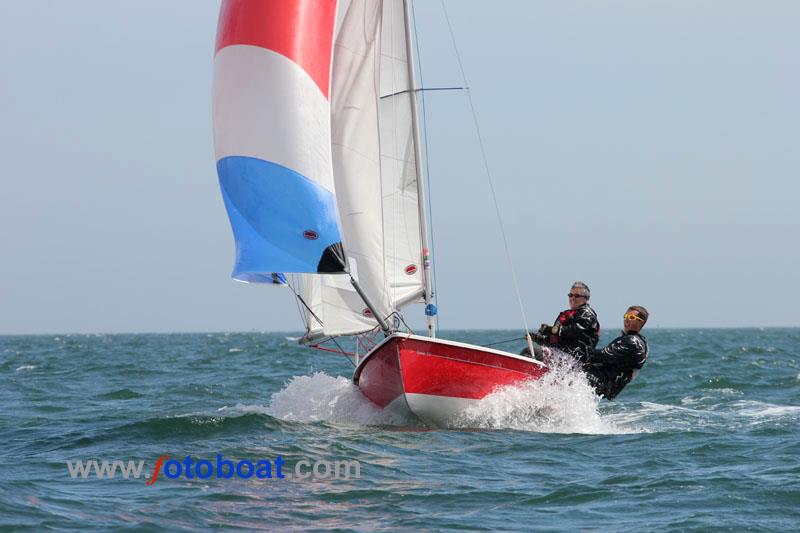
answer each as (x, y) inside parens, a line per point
(332, 260)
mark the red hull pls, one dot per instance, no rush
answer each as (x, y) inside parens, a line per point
(437, 376)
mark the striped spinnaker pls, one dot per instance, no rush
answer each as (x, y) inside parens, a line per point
(272, 135)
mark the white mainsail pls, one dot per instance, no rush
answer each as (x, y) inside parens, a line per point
(375, 173)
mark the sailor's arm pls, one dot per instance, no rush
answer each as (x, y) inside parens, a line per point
(622, 351)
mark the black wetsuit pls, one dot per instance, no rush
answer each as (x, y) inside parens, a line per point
(578, 332)
(613, 367)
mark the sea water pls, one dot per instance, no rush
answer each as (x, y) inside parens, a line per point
(706, 438)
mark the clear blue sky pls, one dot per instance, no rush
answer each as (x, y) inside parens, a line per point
(648, 148)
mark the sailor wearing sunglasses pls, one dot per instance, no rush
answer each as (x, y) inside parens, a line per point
(613, 367)
(575, 330)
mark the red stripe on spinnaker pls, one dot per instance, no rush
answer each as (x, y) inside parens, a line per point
(301, 30)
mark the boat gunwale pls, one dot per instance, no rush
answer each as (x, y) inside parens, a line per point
(423, 338)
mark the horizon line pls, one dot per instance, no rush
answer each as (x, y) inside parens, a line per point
(295, 332)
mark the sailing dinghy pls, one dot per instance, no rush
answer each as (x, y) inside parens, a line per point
(319, 163)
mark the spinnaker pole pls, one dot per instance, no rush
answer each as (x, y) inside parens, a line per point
(430, 309)
(381, 322)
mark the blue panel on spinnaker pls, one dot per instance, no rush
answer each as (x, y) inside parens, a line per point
(281, 220)
(275, 278)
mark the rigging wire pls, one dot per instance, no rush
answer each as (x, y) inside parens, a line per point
(422, 89)
(352, 361)
(398, 316)
(300, 299)
(340, 351)
(515, 339)
(427, 162)
(488, 174)
(306, 322)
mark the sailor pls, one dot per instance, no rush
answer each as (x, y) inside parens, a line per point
(576, 330)
(613, 367)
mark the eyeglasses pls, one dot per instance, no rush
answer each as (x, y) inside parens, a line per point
(574, 295)
(632, 316)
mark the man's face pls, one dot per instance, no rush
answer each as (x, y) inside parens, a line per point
(576, 298)
(632, 320)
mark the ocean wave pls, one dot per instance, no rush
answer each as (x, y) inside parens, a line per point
(653, 417)
(757, 409)
(194, 426)
(706, 413)
(121, 394)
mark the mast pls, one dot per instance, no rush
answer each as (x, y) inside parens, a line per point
(430, 309)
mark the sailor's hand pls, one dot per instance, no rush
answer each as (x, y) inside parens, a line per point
(544, 329)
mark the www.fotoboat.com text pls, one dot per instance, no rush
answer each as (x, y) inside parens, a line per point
(192, 468)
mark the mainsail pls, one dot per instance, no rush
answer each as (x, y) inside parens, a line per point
(375, 173)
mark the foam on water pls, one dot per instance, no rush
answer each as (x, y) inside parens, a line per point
(757, 409)
(562, 401)
(721, 411)
(652, 417)
(320, 397)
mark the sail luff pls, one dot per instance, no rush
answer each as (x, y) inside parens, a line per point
(399, 168)
(421, 184)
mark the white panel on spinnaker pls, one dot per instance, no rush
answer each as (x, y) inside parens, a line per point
(260, 97)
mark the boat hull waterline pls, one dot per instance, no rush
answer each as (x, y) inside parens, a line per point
(436, 379)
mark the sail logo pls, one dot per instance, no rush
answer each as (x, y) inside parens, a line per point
(190, 468)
